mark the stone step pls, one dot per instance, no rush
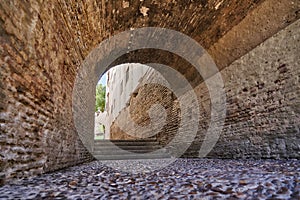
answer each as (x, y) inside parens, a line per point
(137, 143)
(132, 156)
(120, 152)
(129, 149)
(109, 148)
(139, 140)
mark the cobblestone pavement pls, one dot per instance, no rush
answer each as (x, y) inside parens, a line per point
(184, 179)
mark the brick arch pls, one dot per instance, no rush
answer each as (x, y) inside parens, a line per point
(43, 44)
(104, 55)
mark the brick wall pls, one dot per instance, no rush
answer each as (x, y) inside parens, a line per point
(262, 91)
(38, 68)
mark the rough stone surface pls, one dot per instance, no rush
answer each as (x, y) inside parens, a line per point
(43, 44)
(184, 179)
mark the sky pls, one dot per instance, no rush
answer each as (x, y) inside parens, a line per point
(103, 79)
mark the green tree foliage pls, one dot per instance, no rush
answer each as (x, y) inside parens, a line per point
(100, 97)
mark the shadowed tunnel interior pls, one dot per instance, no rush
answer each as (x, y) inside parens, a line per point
(254, 43)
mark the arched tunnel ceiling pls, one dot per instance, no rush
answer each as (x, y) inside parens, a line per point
(227, 29)
(206, 21)
(178, 63)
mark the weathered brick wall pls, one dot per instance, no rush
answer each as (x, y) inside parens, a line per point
(38, 67)
(263, 94)
(139, 104)
(118, 134)
(262, 90)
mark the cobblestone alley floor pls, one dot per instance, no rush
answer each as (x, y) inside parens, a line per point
(184, 179)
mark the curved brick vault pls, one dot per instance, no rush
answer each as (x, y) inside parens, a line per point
(43, 44)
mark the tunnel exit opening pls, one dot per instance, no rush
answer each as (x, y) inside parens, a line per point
(114, 91)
